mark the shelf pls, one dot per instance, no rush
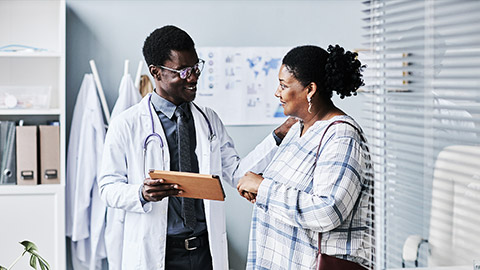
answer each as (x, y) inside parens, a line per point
(36, 212)
(30, 54)
(29, 112)
(27, 189)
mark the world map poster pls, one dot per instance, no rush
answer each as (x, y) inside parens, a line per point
(239, 83)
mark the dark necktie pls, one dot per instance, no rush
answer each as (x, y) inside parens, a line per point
(185, 165)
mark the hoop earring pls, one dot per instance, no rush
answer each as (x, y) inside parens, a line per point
(309, 99)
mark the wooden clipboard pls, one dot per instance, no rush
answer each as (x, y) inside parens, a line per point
(194, 185)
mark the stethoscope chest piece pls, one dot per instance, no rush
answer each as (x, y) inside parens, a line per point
(212, 137)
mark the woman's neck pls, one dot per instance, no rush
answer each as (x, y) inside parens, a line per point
(328, 111)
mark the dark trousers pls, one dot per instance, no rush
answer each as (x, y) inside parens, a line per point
(177, 257)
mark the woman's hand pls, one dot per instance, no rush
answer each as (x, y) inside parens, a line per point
(248, 186)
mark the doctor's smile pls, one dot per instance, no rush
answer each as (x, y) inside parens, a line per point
(192, 88)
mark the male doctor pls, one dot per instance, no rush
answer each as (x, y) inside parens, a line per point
(159, 231)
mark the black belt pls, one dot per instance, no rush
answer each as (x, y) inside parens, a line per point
(190, 243)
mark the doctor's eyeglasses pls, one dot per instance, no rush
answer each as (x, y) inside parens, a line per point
(185, 73)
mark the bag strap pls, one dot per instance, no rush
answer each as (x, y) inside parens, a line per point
(315, 165)
(325, 132)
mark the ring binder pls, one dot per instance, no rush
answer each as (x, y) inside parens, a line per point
(7, 153)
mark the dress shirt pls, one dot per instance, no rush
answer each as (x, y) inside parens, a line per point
(278, 140)
(165, 110)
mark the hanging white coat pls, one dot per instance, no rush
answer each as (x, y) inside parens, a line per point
(85, 211)
(124, 169)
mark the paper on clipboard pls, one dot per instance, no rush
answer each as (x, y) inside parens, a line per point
(194, 185)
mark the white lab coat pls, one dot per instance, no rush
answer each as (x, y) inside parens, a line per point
(85, 211)
(128, 95)
(123, 172)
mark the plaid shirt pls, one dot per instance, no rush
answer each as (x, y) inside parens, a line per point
(295, 203)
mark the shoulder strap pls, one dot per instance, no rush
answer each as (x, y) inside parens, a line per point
(325, 132)
(316, 159)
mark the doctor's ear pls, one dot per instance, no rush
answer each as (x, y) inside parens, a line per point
(155, 72)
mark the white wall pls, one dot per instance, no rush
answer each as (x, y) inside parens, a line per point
(111, 31)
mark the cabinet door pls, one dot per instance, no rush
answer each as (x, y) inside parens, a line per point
(37, 217)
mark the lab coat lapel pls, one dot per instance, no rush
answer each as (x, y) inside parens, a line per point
(203, 154)
(157, 157)
(203, 144)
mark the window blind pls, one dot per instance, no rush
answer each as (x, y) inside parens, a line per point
(423, 84)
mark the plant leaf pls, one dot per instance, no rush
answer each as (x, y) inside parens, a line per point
(33, 261)
(42, 266)
(43, 263)
(29, 246)
(3, 268)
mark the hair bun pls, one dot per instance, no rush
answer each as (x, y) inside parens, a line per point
(343, 71)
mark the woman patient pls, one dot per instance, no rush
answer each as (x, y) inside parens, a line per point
(317, 190)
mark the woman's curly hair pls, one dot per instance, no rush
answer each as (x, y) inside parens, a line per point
(336, 70)
(343, 71)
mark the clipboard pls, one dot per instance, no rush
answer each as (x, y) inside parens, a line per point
(194, 185)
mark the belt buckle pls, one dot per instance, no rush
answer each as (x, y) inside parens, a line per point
(187, 241)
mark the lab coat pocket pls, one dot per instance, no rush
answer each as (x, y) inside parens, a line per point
(114, 235)
(133, 259)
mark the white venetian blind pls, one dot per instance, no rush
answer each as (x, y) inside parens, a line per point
(423, 80)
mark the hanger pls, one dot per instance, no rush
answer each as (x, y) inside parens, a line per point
(138, 75)
(101, 94)
(125, 67)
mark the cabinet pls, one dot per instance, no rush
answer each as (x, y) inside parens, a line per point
(36, 212)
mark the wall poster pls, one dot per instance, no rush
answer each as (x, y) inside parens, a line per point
(239, 83)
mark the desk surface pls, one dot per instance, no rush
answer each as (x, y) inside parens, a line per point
(465, 267)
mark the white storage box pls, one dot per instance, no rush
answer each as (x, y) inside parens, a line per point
(25, 97)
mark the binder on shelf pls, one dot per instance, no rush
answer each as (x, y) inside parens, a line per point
(27, 155)
(8, 173)
(49, 154)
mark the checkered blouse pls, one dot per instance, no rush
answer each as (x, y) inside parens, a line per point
(295, 203)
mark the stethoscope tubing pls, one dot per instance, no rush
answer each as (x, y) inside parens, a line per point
(211, 136)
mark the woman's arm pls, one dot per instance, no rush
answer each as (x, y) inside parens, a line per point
(336, 186)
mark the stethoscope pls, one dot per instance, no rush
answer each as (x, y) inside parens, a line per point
(211, 136)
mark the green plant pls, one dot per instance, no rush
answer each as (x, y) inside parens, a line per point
(32, 249)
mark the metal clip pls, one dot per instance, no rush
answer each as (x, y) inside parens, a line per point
(51, 174)
(26, 175)
(7, 173)
(187, 247)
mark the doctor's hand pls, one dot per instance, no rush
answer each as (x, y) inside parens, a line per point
(248, 186)
(251, 197)
(155, 190)
(282, 130)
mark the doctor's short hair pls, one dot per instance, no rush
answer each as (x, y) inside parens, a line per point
(159, 44)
